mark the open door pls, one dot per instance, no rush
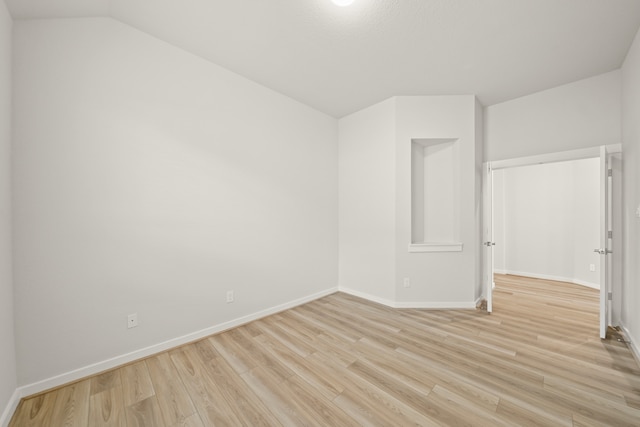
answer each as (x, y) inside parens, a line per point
(487, 232)
(604, 249)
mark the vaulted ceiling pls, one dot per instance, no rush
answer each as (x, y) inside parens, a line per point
(342, 59)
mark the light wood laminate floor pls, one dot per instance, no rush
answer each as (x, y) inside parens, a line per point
(342, 361)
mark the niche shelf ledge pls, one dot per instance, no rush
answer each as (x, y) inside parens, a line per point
(435, 247)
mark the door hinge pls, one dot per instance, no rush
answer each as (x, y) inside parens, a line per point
(609, 172)
(610, 234)
(609, 296)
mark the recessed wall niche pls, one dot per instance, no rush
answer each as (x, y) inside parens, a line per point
(435, 195)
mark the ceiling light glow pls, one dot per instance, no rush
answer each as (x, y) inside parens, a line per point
(342, 2)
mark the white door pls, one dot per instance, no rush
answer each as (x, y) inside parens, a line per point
(604, 249)
(487, 234)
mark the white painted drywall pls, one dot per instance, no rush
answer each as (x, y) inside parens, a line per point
(150, 181)
(375, 203)
(546, 221)
(7, 342)
(631, 196)
(479, 176)
(499, 222)
(582, 114)
(441, 199)
(367, 201)
(539, 225)
(447, 278)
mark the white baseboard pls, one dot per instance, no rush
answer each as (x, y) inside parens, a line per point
(370, 297)
(550, 277)
(439, 305)
(587, 284)
(105, 365)
(635, 349)
(410, 304)
(10, 408)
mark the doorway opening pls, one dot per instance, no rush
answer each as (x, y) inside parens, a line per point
(546, 221)
(544, 216)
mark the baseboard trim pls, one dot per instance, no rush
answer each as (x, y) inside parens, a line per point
(410, 304)
(369, 297)
(10, 408)
(550, 277)
(105, 365)
(587, 284)
(437, 305)
(635, 349)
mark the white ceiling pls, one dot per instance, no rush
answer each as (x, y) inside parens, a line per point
(29, 9)
(342, 59)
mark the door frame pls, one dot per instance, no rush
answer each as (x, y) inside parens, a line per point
(487, 200)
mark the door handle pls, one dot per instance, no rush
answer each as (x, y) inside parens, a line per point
(603, 251)
(489, 243)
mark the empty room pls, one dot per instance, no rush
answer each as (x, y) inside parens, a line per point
(317, 212)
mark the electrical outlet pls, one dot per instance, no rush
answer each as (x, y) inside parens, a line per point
(132, 320)
(229, 297)
(592, 267)
(407, 282)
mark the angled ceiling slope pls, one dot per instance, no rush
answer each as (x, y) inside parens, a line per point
(342, 59)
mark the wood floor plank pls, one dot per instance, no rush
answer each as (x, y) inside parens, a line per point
(362, 411)
(106, 408)
(209, 401)
(271, 327)
(136, 383)
(390, 385)
(37, 411)
(521, 413)
(386, 405)
(193, 421)
(463, 410)
(340, 350)
(175, 403)
(106, 381)
(254, 350)
(233, 353)
(281, 402)
(241, 398)
(342, 360)
(302, 368)
(72, 405)
(324, 412)
(145, 413)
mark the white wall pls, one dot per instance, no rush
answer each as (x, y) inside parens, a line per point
(150, 181)
(367, 201)
(499, 222)
(7, 342)
(448, 279)
(631, 172)
(375, 203)
(582, 114)
(478, 214)
(547, 221)
(538, 221)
